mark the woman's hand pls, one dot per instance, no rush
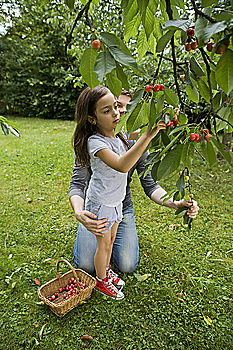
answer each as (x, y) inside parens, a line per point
(190, 204)
(89, 220)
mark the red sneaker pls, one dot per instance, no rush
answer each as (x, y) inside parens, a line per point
(107, 288)
(114, 278)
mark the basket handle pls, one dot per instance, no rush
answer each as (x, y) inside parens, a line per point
(71, 267)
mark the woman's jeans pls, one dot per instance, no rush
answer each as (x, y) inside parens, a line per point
(125, 254)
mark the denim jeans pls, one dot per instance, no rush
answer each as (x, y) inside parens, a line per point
(125, 254)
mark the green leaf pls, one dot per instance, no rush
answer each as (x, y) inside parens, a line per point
(188, 154)
(180, 184)
(192, 93)
(122, 123)
(165, 139)
(160, 104)
(86, 68)
(148, 20)
(200, 30)
(152, 113)
(120, 52)
(182, 24)
(171, 97)
(5, 128)
(224, 71)
(136, 98)
(125, 59)
(105, 63)
(122, 77)
(207, 3)
(164, 40)
(112, 40)
(182, 118)
(142, 44)
(195, 67)
(138, 118)
(170, 162)
(113, 83)
(154, 171)
(204, 90)
(70, 4)
(181, 212)
(217, 100)
(227, 155)
(211, 155)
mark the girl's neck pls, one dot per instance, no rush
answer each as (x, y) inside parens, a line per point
(109, 134)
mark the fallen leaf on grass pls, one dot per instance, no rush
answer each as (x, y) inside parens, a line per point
(37, 281)
(208, 320)
(141, 278)
(41, 331)
(86, 337)
(180, 299)
(40, 302)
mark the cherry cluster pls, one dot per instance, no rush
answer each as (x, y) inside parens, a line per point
(197, 137)
(172, 122)
(70, 289)
(192, 43)
(221, 48)
(156, 88)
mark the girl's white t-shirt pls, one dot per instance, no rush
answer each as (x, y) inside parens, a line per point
(107, 186)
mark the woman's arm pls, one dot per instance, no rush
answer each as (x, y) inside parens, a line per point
(190, 204)
(124, 163)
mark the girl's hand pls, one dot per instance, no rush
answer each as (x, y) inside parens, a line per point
(161, 125)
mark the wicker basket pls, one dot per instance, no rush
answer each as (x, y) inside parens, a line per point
(60, 306)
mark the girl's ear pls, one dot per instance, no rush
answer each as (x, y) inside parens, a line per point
(91, 120)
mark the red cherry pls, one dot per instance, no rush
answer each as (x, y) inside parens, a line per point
(156, 87)
(175, 121)
(64, 295)
(188, 47)
(56, 295)
(61, 290)
(193, 45)
(206, 131)
(210, 45)
(96, 44)
(191, 195)
(161, 87)
(149, 88)
(198, 137)
(208, 137)
(190, 32)
(192, 136)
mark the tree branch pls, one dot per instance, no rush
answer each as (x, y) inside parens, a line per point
(174, 62)
(83, 11)
(202, 14)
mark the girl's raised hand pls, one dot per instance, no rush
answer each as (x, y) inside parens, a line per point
(152, 132)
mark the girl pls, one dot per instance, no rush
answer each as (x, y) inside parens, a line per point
(110, 159)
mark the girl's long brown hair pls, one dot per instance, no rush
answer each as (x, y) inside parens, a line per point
(85, 106)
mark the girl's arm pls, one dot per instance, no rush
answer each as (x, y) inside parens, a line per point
(124, 163)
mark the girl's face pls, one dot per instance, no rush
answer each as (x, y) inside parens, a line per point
(107, 114)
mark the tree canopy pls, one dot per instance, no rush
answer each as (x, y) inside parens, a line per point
(176, 55)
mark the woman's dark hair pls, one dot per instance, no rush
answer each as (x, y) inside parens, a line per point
(85, 107)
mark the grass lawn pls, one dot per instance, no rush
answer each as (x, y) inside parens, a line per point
(185, 303)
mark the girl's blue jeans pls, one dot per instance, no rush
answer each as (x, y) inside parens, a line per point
(125, 254)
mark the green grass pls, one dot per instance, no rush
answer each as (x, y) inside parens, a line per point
(186, 303)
